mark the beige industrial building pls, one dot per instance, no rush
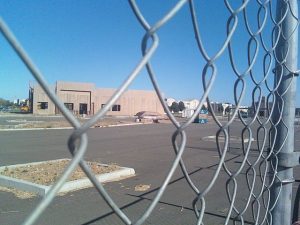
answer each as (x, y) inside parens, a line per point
(86, 99)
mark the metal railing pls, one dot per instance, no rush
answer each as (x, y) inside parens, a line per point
(273, 163)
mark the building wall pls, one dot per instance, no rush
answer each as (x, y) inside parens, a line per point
(41, 102)
(130, 103)
(78, 86)
(75, 98)
(76, 95)
(79, 95)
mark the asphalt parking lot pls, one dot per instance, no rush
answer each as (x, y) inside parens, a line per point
(146, 148)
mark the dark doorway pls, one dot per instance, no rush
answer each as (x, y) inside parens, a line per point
(69, 106)
(82, 108)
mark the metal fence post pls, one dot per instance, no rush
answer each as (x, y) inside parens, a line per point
(287, 53)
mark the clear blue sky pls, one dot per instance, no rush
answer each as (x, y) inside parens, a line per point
(99, 41)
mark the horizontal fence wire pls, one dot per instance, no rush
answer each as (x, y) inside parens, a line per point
(260, 171)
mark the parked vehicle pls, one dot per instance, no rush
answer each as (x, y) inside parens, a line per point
(24, 108)
(244, 114)
(150, 116)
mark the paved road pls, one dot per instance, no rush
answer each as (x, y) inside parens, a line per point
(148, 150)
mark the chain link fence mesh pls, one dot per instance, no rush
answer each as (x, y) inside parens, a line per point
(262, 138)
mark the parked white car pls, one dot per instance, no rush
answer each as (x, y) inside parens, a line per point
(150, 115)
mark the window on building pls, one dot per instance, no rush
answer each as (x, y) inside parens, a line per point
(69, 106)
(116, 108)
(42, 105)
(83, 108)
(103, 105)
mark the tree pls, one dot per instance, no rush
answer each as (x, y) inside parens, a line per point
(4, 102)
(227, 109)
(181, 106)
(175, 107)
(203, 107)
(220, 108)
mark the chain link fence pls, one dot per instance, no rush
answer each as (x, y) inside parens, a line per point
(270, 143)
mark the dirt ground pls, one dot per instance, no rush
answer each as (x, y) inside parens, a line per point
(25, 123)
(47, 173)
(31, 121)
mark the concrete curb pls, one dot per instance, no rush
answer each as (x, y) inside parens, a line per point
(23, 185)
(232, 138)
(122, 125)
(26, 129)
(42, 190)
(69, 128)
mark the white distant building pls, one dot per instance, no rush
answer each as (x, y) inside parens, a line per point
(243, 109)
(170, 101)
(191, 104)
(22, 101)
(225, 105)
(16, 101)
(190, 107)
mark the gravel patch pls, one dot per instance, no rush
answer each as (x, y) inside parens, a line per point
(18, 193)
(48, 172)
(142, 187)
